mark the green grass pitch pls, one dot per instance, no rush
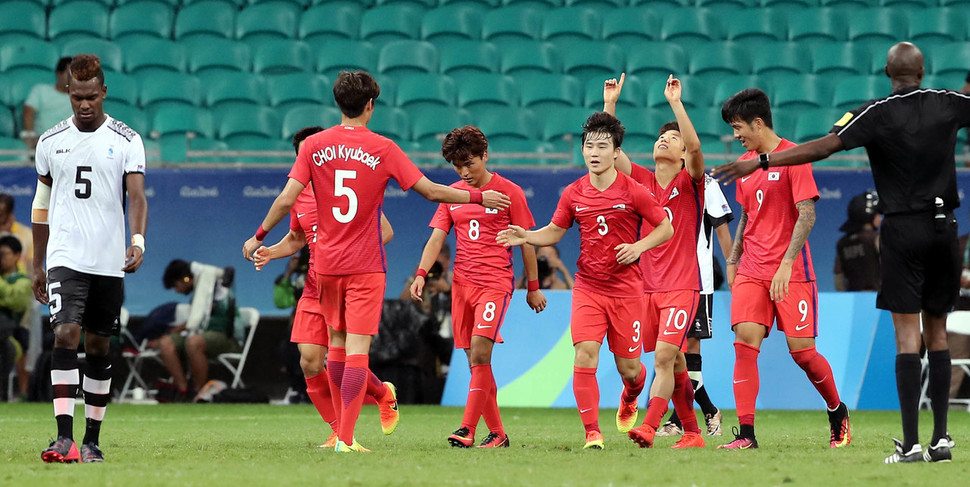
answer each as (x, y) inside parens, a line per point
(255, 445)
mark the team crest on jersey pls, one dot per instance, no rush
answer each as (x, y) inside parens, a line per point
(111, 152)
(774, 176)
(673, 193)
(491, 211)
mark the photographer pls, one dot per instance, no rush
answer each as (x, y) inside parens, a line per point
(553, 274)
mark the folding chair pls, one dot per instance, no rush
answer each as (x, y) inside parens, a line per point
(236, 361)
(134, 356)
(957, 322)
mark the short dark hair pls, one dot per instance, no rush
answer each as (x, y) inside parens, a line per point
(6, 201)
(63, 63)
(352, 90)
(11, 242)
(604, 123)
(176, 270)
(668, 127)
(85, 67)
(464, 143)
(302, 134)
(747, 105)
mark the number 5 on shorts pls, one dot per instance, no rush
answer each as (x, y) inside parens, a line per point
(53, 299)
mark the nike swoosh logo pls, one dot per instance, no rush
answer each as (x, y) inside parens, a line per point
(669, 332)
(745, 178)
(820, 380)
(633, 349)
(454, 207)
(482, 327)
(581, 208)
(740, 381)
(476, 389)
(800, 328)
(581, 411)
(300, 215)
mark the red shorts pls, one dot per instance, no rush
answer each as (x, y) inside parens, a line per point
(352, 303)
(477, 311)
(797, 314)
(308, 323)
(669, 316)
(620, 319)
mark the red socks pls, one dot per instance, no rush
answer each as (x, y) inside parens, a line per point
(632, 390)
(318, 388)
(587, 393)
(491, 415)
(746, 382)
(683, 398)
(352, 389)
(478, 393)
(820, 373)
(375, 388)
(656, 409)
(336, 359)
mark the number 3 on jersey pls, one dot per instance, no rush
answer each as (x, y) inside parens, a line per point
(339, 189)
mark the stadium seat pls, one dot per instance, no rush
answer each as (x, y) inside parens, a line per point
(380, 25)
(147, 54)
(601, 4)
(279, 56)
(210, 18)
(953, 58)
(108, 51)
(63, 23)
(839, 59)
(388, 95)
(689, 27)
(877, 25)
(265, 21)
(818, 24)
(426, 89)
(953, 81)
(592, 59)
(854, 5)
(511, 24)
(729, 85)
(141, 18)
(132, 116)
(955, 3)
(343, 55)
(302, 4)
(16, 84)
(463, 59)
(813, 124)
(628, 26)
(563, 130)
(29, 53)
(508, 122)
(402, 58)
(709, 125)
(447, 24)
(299, 117)
(216, 53)
(169, 87)
(695, 93)
(774, 59)
(525, 57)
(541, 4)
(656, 59)
(23, 17)
(716, 60)
(877, 55)
(326, 22)
(631, 98)
(548, 92)
(392, 123)
(236, 87)
(802, 92)
(791, 5)
(853, 91)
(234, 121)
(938, 25)
(170, 3)
(755, 26)
(909, 4)
(641, 132)
(179, 119)
(418, 3)
(121, 88)
(428, 124)
(482, 4)
(488, 90)
(288, 90)
(571, 24)
(13, 143)
(7, 126)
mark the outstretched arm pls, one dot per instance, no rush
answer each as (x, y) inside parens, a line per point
(281, 207)
(440, 193)
(290, 244)
(692, 143)
(611, 94)
(515, 235)
(803, 226)
(806, 153)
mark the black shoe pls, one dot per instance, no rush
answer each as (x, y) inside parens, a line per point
(940, 452)
(495, 440)
(90, 453)
(61, 450)
(461, 438)
(914, 455)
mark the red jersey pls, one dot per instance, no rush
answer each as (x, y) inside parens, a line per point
(768, 198)
(672, 265)
(303, 218)
(349, 168)
(480, 261)
(607, 219)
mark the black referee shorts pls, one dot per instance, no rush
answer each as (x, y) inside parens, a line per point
(701, 328)
(90, 300)
(920, 266)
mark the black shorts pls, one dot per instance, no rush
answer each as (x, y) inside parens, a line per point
(701, 328)
(920, 266)
(90, 300)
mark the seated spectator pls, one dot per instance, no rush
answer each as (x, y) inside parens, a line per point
(15, 298)
(46, 105)
(553, 274)
(10, 225)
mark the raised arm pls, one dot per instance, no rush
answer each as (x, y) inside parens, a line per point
(736, 250)
(809, 152)
(440, 193)
(137, 220)
(428, 256)
(803, 226)
(692, 143)
(611, 93)
(281, 207)
(515, 235)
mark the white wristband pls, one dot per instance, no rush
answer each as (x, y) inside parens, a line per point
(138, 240)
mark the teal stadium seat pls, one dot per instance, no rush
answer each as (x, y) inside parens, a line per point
(426, 89)
(481, 4)
(388, 95)
(26, 18)
(508, 123)
(708, 123)
(13, 143)
(346, 55)
(398, 59)
(527, 57)
(234, 88)
(641, 132)
(656, 59)
(28, 53)
(938, 25)
(363, 3)
(600, 4)
(264, 21)
(63, 23)
(563, 130)
(207, 18)
(953, 58)
(452, 23)
(108, 51)
(909, 4)
(384, 24)
(695, 93)
(417, 3)
(326, 22)
(547, 93)
(121, 88)
(486, 91)
(299, 117)
(818, 25)
(17, 84)
(207, 53)
(464, 59)
(631, 98)
(877, 56)
(713, 61)
(802, 92)
(853, 91)
(288, 90)
(630, 26)
(235, 122)
(429, 124)
(512, 24)
(729, 85)
(592, 59)
(571, 24)
(850, 5)
(170, 3)
(182, 119)
(392, 123)
(152, 55)
(813, 124)
(690, 27)
(542, 4)
(302, 4)
(169, 87)
(7, 126)
(262, 143)
(204, 144)
(664, 3)
(752, 27)
(780, 59)
(877, 25)
(955, 3)
(280, 56)
(132, 116)
(142, 18)
(949, 82)
(836, 59)
(791, 5)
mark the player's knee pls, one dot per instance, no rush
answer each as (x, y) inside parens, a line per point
(67, 336)
(664, 358)
(311, 365)
(629, 370)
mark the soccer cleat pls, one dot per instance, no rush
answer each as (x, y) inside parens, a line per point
(689, 440)
(949, 441)
(495, 440)
(388, 408)
(331, 442)
(90, 453)
(914, 455)
(61, 450)
(626, 416)
(594, 441)
(670, 428)
(839, 424)
(462, 438)
(740, 442)
(940, 452)
(713, 422)
(342, 447)
(642, 435)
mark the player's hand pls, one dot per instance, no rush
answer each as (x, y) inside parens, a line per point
(495, 200)
(133, 259)
(536, 300)
(512, 236)
(612, 89)
(627, 253)
(261, 257)
(727, 173)
(779, 284)
(673, 90)
(39, 284)
(250, 246)
(732, 272)
(417, 289)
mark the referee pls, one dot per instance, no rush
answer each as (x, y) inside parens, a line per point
(910, 137)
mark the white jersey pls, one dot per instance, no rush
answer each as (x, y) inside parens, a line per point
(716, 213)
(87, 208)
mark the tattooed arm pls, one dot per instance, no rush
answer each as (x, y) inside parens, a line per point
(803, 226)
(732, 260)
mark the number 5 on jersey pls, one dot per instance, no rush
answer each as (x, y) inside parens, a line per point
(339, 189)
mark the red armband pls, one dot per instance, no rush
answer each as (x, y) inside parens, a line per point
(475, 196)
(421, 273)
(533, 285)
(260, 233)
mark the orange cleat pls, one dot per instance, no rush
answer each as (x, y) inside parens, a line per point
(689, 440)
(643, 435)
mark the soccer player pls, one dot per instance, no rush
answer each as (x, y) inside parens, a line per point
(88, 166)
(910, 137)
(671, 278)
(483, 279)
(349, 167)
(770, 269)
(310, 332)
(608, 297)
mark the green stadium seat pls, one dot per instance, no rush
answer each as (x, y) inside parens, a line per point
(656, 59)
(549, 92)
(571, 24)
(543, 4)
(877, 55)
(503, 150)
(388, 95)
(483, 4)
(147, 54)
(235, 121)
(169, 87)
(402, 58)
(330, 21)
(716, 60)
(600, 4)
(563, 129)
(791, 5)
(592, 59)
(16, 84)
(631, 98)
(909, 4)
(451, 23)
(836, 59)
(729, 85)
(309, 116)
(279, 56)
(690, 27)
(169, 3)
(774, 59)
(953, 58)
(487, 91)
(508, 122)
(426, 89)
(384, 24)
(133, 117)
(141, 18)
(121, 88)
(13, 143)
(818, 25)
(814, 124)
(664, 3)
(7, 126)
(755, 25)
(362, 3)
(802, 92)
(953, 81)
(955, 3)
(416, 3)
(853, 91)
(708, 123)
(938, 25)
(258, 142)
(430, 124)
(526, 57)
(204, 144)
(726, 5)
(234, 88)
(206, 53)
(628, 26)
(108, 51)
(276, 20)
(392, 123)
(180, 119)
(63, 23)
(511, 24)
(345, 55)
(695, 93)
(302, 4)
(27, 18)
(288, 90)
(209, 18)
(463, 59)
(877, 25)
(853, 5)
(30, 53)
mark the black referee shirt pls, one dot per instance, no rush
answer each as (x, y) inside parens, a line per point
(910, 137)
